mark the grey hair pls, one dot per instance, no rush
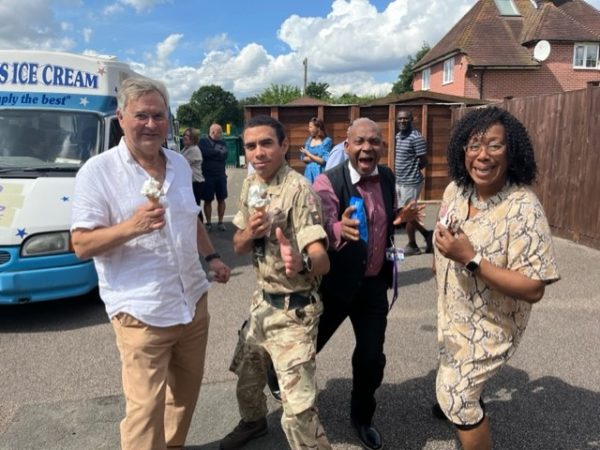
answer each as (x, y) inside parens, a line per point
(362, 120)
(134, 88)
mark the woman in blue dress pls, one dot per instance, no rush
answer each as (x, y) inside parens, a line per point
(315, 152)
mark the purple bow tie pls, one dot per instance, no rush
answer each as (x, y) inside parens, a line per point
(370, 179)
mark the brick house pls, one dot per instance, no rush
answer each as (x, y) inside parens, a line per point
(515, 48)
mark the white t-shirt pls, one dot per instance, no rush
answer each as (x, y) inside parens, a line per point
(156, 277)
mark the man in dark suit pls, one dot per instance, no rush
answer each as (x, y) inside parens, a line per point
(360, 275)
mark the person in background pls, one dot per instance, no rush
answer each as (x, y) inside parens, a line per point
(214, 154)
(360, 275)
(158, 311)
(410, 160)
(337, 155)
(316, 149)
(286, 306)
(193, 155)
(493, 259)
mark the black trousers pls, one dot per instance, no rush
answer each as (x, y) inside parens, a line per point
(367, 311)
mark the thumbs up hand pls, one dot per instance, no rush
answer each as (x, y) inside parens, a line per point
(292, 260)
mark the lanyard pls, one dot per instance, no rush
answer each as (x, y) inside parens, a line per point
(396, 256)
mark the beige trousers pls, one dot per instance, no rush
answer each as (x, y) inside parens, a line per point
(162, 370)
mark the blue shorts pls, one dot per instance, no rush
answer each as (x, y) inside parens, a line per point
(214, 186)
(197, 187)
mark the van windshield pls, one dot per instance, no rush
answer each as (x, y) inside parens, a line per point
(37, 139)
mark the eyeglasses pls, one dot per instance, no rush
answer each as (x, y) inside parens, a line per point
(491, 149)
(186, 135)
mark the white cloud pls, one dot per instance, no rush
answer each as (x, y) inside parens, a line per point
(355, 36)
(112, 9)
(143, 5)
(166, 47)
(87, 34)
(218, 42)
(346, 49)
(35, 26)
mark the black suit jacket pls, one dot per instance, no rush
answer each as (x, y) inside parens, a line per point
(348, 264)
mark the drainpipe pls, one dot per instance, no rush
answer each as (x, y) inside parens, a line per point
(481, 84)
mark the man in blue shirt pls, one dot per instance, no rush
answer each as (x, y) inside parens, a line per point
(336, 156)
(410, 159)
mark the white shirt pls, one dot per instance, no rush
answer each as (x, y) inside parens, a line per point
(156, 277)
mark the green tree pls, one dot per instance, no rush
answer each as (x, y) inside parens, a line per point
(279, 94)
(186, 116)
(348, 98)
(210, 104)
(405, 79)
(252, 100)
(318, 90)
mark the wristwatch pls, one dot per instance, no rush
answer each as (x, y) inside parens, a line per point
(306, 264)
(209, 258)
(473, 265)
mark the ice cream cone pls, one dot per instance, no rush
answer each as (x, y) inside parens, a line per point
(154, 200)
(261, 208)
(152, 190)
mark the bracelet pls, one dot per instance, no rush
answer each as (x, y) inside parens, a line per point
(209, 258)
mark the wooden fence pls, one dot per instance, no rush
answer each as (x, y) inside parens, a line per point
(432, 117)
(565, 131)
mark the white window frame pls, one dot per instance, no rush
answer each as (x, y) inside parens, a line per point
(507, 8)
(587, 47)
(425, 79)
(448, 71)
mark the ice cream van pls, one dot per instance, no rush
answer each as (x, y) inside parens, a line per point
(56, 111)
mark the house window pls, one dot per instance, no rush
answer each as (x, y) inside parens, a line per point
(448, 71)
(425, 79)
(507, 8)
(585, 56)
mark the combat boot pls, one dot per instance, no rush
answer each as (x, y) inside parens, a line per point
(244, 432)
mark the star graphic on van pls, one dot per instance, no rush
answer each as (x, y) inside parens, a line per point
(21, 232)
(101, 70)
(65, 198)
(83, 101)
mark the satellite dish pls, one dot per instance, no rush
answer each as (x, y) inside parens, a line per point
(541, 51)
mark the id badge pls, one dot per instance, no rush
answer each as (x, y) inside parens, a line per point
(394, 254)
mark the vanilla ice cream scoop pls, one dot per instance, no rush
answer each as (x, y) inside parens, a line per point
(257, 197)
(152, 189)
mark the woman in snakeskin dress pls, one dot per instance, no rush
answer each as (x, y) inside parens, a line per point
(493, 259)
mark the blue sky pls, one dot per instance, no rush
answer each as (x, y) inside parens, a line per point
(357, 46)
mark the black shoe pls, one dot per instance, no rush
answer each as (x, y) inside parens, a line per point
(273, 383)
(429, 241)
(368, 435)
(411, 249)
(242, 433)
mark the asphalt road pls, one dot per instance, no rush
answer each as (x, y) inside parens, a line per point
(60, 382)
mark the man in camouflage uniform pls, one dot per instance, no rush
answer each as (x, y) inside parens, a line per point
(289, 252)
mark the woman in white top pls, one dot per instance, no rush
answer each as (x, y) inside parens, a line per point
(193, 155)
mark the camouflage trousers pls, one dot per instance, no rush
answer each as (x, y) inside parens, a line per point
(288, 336)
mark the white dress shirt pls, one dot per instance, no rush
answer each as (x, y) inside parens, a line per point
(156, 277)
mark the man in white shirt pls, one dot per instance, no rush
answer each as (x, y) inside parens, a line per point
(149, 273)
